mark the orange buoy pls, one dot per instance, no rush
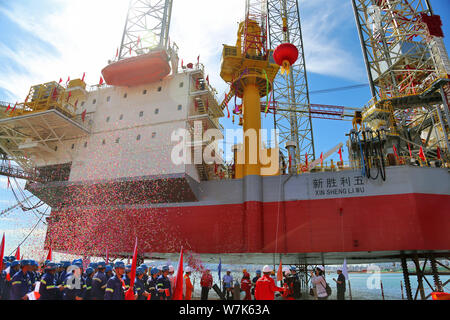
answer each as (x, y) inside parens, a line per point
(285, 55)
(135, 71)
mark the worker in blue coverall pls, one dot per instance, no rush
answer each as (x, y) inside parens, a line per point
(115, 286)
(139, 284)
(151, 284)
(74, 285)
(21, 282)
(99, 282)
(48, 288)
(88, 280)
(163, 285)
(126, 277)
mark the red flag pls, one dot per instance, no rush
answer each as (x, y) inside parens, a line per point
(129, 295)
(438, 153)
(60, 80)
(49, 256)
(198, 60)
(18, 253)
(84, 75)
(83, 115)
(130, 50)
(410, 153)
(340, 155)
(139, 40)
(76, 103)
(68, 97)
(207, 79)
(422, 155)
(68, 79)
(2, 252)
(7, 186)
(101, 81)
(14, 107)
(117, 52)
(182, 65)
(321, 158)
(290, 161)
(280, 272)
(9, 107)
(178, 290)
(306, 156)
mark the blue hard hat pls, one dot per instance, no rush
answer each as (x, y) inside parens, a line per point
(165, 268)
(119, 264)
(15, 263)
(139, 271)
(34, 263)
(46, 261)
(7, 264)
(128, 268)
(144, 266)
(108, 268)
(24, 263)
(258, 271)
(65, 264)
(293, 269)
(50, 266)
(89, 271)
(101, 264)
(154, 271)
(12, 258)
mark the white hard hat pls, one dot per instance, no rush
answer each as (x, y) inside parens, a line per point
(287, 272)
(160, 268)
(267, 269)
(187, 270)
(321, 268)
(285, 269)
(171, 269)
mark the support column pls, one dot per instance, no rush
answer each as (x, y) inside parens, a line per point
(419, 278)
(252, 125)
(406, 279)
(437, 280)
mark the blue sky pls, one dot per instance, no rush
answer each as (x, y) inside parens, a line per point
(46, 40)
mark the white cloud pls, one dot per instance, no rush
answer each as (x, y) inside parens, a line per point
(87, 33)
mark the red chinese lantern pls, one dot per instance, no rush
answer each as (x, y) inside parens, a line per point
(285, 56)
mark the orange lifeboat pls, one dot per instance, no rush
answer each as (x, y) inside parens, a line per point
(135, 71)
(440, 296)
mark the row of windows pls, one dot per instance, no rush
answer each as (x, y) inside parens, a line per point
(108, 99)
(138, 138)
(141, 114)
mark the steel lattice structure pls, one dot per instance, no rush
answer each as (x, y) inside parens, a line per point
(146, 28)
(407, 65)
(291, 91)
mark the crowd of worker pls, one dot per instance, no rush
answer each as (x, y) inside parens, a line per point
(26, 280)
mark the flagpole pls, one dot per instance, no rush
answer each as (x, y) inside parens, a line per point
(350, 290)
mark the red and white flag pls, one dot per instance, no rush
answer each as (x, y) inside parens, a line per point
(18, 254)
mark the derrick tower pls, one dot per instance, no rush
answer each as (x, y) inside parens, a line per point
(291, 93)
(408, 70)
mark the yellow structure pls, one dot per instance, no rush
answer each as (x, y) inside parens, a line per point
(250, 73)
(50, 96)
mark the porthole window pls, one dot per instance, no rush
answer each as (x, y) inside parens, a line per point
(141, 114)
(156, 111)
(108, 119)
(180, 107)
(73, 146)
(159, 89)
(145, 92)
(95, 101)
(103, 142)
(138, 138)
(181, 84)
